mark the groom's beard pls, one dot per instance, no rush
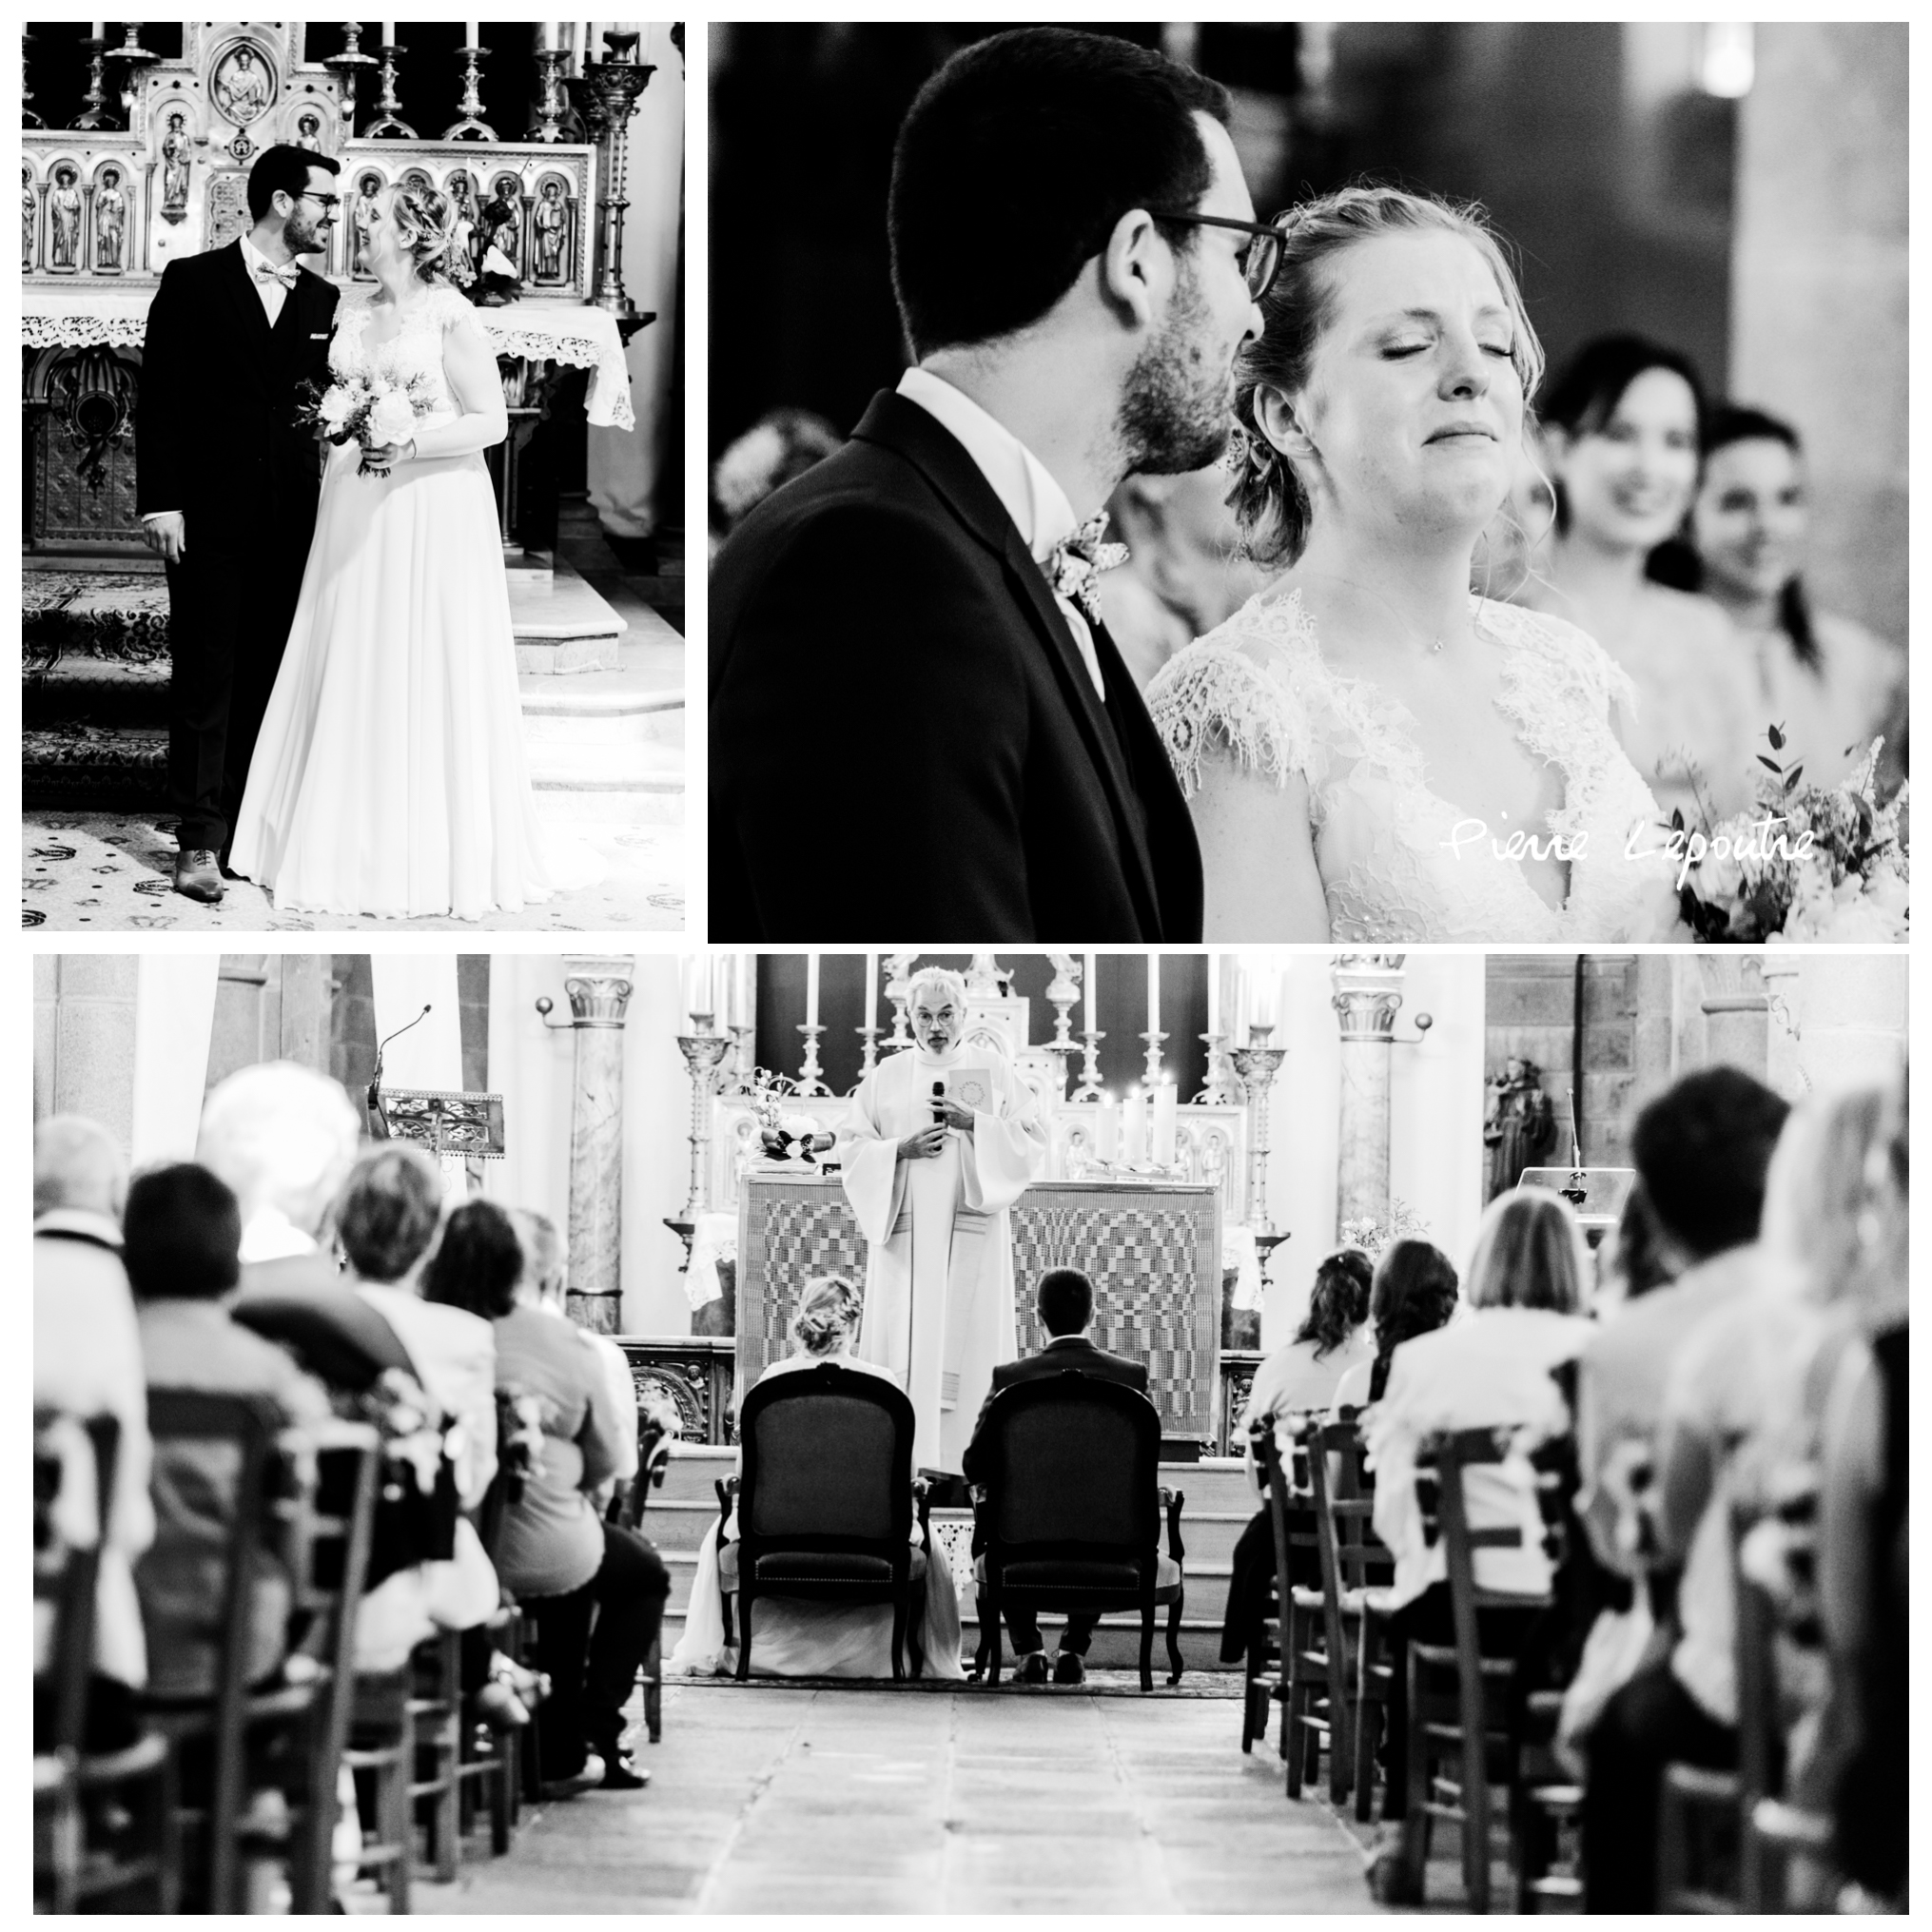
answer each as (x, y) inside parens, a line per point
(1176, 412)
(304, 237)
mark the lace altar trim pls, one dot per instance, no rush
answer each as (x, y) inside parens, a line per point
(608, 404)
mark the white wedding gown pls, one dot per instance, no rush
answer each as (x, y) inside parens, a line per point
(1385, 845)
(389, 776)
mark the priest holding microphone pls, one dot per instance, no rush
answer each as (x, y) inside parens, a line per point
(940, 1142)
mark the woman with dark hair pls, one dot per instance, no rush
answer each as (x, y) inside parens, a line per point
(1371, 752)
(1414, 1292)
(1622, 426)
(1829, 681)
(1333, 1339)
(477, 1265)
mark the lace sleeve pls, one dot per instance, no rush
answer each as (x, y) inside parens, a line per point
(1603, 682)
(450, 307)
(1212, 694)
(345, 345)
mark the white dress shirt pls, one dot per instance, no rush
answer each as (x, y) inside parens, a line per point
(1024, 484)
(272, 293)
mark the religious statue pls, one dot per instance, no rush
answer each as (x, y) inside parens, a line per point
(28, 211)
(463, 240)
(241, 87)
(110, 220)
(363, 213)
(1520, 1125)
(499, 272)
(65, 204)
(939, 1144)
(175, 150)
(552, 219)
(309, 132)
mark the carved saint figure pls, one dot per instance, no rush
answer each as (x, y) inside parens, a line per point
(66, 202)
(110, 220)
(1520, 1125)
(27, 212)
(553, 230)
(363, 219)
(309, 132)
(175, 150)
(240, 86)
(463, 196)
(501, 228)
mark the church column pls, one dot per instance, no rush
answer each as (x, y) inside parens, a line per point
(1368, 991)
(599, 989)
(1737, 1011)
(93, 1031)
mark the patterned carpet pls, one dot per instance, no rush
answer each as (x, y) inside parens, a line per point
(100, 873)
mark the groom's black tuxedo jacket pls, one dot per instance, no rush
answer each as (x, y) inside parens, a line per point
(215, 431)
(903, 735)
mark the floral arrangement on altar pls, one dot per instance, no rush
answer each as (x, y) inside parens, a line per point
(1809, 862)
(1372, 1235)
(784, 1132)
(373, 414)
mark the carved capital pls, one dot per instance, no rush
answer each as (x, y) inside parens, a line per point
(1368, 992)
(599, 989)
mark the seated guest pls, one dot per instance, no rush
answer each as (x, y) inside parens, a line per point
(1412, 1292)
(1701, 1149)
(386, 1224)
(1526, 1284)
(567, 1566)
(1301, 1375)
(284, 1138)
(1064, 1300)
(86, 1362)
(796, 1636)
(183, 1230)
(1733, 1417)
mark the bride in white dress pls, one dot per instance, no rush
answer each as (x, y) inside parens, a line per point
(1370, 751)
(390, 776)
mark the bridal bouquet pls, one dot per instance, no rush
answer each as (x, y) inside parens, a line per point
(1809, 862)
(371, 412)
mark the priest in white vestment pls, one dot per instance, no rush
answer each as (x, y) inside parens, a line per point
(931, 1177)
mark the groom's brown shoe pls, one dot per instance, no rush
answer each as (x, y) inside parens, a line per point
(196, 876)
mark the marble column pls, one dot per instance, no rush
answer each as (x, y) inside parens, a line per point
(1737, 1011)
(599, 989)
(89, 1040)
(1368, 991)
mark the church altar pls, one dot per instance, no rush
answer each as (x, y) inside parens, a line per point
(1153, 1249)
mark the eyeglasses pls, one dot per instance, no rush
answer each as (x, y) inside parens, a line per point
(330, 202)
(1261, 261)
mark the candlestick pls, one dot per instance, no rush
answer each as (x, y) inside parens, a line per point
(472, 127)
(1221, 1087)
(28, 117)
(744, 1056)
(1090, 1076)
(703, 1050)
(388, 124)
(1153, 1060)
(99, 115)
(133, 57)
(605, 96)
(869, 1051)
(1255, 1065)
(898, 985)
(552, 104)
(808, 1081)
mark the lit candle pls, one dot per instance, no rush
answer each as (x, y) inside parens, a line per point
(872, 988)
(1092, 993)
(1108, 1130)
(1134, 1128)
(1164, 1124)
(1213, 993)
(1153, 992)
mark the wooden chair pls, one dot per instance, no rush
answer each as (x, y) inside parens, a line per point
(1464, 1724)
(1302, 1677)
(1356, 1571)
(653, 1458)
(1070, 1506)
(75, 1866)
(1264, 1682)
(491, 1768)
(826, 1502)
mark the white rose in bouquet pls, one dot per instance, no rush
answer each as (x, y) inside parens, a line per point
(336, 408)
(392, 420)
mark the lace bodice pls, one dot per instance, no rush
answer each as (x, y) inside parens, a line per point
(1398, 863)
(415, 350)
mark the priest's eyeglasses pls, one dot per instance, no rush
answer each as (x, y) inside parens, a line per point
(1261, 261)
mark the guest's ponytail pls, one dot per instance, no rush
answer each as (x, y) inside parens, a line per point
(1413, 1293)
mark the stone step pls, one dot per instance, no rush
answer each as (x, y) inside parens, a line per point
(560, 711)
(608, 785)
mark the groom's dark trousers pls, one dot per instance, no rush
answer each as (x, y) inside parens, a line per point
(902, 734)
(216, 439)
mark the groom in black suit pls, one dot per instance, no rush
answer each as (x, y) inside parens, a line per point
(228, 480)
(1070, 236)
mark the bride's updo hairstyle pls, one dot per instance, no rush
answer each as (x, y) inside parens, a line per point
(1270, 499)
(827, 1315)
(428, 220)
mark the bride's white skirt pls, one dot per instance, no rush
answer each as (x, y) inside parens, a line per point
(390, 777)
(794, 1637)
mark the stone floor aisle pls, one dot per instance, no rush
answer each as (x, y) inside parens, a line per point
(781, 1800)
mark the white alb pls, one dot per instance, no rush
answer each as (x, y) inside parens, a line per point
(1397, 861)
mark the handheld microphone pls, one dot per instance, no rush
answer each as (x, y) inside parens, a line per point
(376, 1079)
(939, 1102)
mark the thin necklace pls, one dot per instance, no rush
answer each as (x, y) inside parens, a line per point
(1435, 643)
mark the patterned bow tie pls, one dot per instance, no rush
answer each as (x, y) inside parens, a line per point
(287, 275)
(1074, 565)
